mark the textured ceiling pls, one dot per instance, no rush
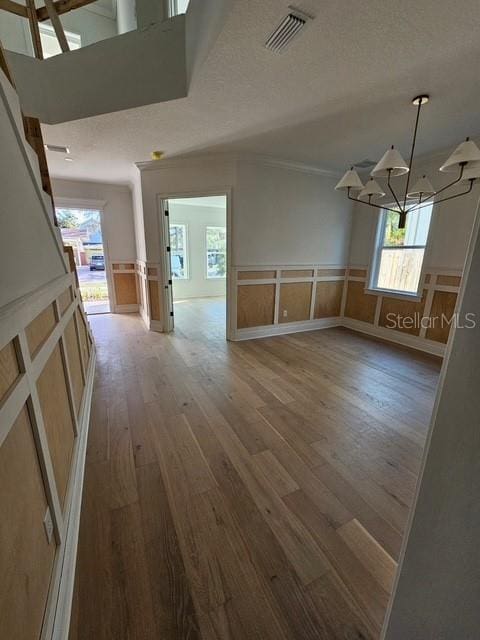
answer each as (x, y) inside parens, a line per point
(339, 94)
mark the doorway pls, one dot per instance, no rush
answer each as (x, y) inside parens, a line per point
(196, 231)
(81, 229)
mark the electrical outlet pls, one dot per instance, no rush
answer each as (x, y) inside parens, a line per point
(48, 524)
(285, 313)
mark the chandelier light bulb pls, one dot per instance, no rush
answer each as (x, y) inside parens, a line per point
(421, 189)
(472, 173)
(372, 189)
(467, 155)
(391, 164)
(350, 180)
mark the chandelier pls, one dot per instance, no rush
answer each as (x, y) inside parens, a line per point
(464, 161)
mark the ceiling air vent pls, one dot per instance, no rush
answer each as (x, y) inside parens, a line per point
(57, 148)
(288, 28)
(364, 164)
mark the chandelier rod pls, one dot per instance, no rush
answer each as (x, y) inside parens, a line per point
(393, 192)
(410, 163)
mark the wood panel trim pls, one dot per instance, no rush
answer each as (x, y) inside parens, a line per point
(257, 275)
(13, 322)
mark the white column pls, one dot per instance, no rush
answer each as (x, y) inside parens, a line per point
(126, 16)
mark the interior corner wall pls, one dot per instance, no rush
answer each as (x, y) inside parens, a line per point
(451, 226)
(118, 220)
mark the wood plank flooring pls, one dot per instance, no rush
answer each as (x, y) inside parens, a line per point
(253, 490)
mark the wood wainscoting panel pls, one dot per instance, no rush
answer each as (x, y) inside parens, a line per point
(451, 281)
(74, 363)
(256, 275)
(360, 305)
(328, 299)
(297, 273)
(64, 300)
(255, 305)
(357, 273)
(125, 288)
(295, 298)
(26, 557)
(40, 328)
(52, 392)
(9, 369)
(408, 314)
(330, 272)
(154, 300)
(443, 308)
(82, 334)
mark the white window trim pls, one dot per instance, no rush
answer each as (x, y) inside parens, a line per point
(207, 277)
(186, 255)
(414, 296)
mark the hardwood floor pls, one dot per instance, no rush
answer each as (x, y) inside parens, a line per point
(245, 490)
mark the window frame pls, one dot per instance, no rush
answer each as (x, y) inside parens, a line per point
(215, 226)
(186, 257)
(376, 254)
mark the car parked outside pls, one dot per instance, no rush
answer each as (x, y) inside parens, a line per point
(97, 263)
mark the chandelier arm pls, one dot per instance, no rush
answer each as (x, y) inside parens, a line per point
(393, 192)
(455, 195)
(370, 204)
(447, 186)
(410, 163)
(450, 184)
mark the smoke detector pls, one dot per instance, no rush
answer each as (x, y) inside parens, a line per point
(286, 31)
(57, 148)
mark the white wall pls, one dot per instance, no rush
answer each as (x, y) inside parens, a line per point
(280, 215)
(118, 223)
(30, 255)
(110, 75)
(289, 217)
(180, 178)
(437, 590)
(197, 218)
(450, 228)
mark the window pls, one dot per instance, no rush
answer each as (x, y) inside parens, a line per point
(175, 7)
(50, 46)
(216, 252)
(399, 253)
(178, 251)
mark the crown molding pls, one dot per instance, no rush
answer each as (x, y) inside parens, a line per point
(251, 158)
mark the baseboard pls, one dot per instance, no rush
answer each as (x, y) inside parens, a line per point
(144, 316)
(155, 325)
(406, 340)
(126, 308)
(283, 329)
(63, 605)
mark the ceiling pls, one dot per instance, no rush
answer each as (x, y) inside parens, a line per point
(339, 94)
